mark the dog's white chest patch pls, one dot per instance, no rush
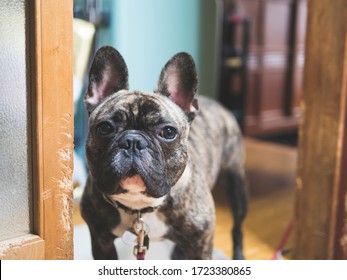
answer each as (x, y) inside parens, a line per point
(155, 222)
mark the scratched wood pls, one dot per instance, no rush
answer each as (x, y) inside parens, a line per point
(321, 143)
(27, 247)
(53, 125)
(49, 56)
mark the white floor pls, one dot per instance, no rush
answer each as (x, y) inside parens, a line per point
(157, 251)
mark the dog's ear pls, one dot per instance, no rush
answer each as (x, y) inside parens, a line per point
(179, 81)
(108, 74)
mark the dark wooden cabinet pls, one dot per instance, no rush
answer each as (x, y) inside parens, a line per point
(274, 66)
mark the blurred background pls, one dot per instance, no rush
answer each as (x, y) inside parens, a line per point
(249, 56)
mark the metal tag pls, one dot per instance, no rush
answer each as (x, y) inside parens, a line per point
(129, 238)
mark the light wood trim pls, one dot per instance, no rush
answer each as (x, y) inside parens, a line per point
(321, 131)
(28, 247)
(36, 107)
(49, 44)
(53, 127)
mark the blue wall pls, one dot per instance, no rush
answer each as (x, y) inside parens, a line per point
(149, 32)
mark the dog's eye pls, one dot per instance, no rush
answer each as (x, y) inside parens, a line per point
(168, 133)
(104, 129)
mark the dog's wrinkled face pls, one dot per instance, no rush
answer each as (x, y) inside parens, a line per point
(137, 141)
(135, 133)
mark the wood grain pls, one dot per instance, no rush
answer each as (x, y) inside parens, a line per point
(53, 126)
(28, 247)
(320, 144)
(49, 59)
(340, 242)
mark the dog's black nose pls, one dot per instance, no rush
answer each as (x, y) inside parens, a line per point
(132, 141)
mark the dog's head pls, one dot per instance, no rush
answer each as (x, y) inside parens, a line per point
(137, 141)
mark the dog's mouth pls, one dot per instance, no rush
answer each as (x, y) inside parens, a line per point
(123, 174)
(131, 173)
(133, 183)
(143, 179)
(134, 193)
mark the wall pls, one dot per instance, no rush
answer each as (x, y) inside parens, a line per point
(148, 33)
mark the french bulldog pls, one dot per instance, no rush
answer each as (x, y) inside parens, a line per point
(159, 154)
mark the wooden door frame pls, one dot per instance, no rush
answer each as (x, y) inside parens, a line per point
(320, 213)
(53, 126)
(50, 73)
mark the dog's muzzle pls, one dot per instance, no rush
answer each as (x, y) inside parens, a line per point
(133, 143)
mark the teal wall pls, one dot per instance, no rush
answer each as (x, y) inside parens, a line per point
(149, 32)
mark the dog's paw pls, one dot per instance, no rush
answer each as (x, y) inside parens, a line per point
(178, 254)
(238, 255)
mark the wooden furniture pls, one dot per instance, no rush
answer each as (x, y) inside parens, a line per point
(233, 83)
(274, 66)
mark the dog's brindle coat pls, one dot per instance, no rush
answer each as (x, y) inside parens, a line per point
(163, 149)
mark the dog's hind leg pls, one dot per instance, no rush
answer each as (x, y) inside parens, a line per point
(238, 198)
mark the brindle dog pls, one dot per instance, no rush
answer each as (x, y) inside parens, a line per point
(159, 153)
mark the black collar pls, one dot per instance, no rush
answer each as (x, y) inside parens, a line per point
(127, 209)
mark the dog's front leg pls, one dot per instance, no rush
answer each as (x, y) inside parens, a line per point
(192, 243)
(187, 249)
(103, 246)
